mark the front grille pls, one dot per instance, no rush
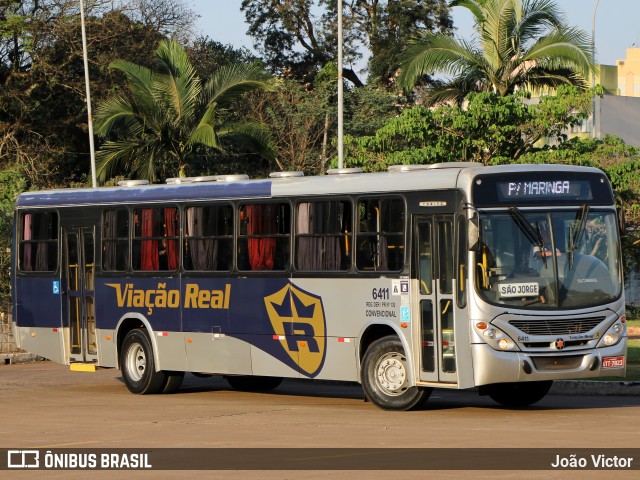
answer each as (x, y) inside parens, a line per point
(572, 343)
(557, 326)
(557, 363)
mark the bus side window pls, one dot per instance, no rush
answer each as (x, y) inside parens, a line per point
(39, 242)
(155, 239)
(208, 243)
(115, 240)
(380, 234)
(322, 235)
(265, 232)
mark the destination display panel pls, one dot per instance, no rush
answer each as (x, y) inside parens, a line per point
(537, 188)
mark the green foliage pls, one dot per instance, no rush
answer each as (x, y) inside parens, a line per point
(208, 55)
(43, 119)
(299, 36)
(490, 129)
(155, 131)
(302, 118)
(12, 183)
(517, 43)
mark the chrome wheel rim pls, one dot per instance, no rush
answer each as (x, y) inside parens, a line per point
(136, 362)
(391, 374)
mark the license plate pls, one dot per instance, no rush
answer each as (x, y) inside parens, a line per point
(613, 362)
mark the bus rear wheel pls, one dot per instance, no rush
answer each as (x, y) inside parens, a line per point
(173, 382)
(385, 377)
(138, 366)
(249, 383)
(520, 394)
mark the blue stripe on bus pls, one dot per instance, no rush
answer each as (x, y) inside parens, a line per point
(272, 314)
(166, 193)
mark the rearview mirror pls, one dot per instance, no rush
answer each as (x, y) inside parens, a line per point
(473, 234)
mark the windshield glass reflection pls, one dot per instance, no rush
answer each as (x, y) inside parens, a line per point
(545, 259)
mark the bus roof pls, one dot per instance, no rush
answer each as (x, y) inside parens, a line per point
(440, 177)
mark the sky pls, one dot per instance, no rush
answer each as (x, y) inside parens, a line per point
(617, 25)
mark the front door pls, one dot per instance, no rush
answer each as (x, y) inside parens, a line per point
(78, 287)
(434, 261)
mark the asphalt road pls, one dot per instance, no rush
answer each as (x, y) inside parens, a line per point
(46, 406)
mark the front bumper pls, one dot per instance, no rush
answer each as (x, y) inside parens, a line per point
(492, 366)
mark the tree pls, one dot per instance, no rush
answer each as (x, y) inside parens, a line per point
(490, 129)
(386, 26)
(157, 128)
(12, 183)
(518, 43)
(43, 119)
(208, 55)
(170, 18)
(301, 35)
(303, 118)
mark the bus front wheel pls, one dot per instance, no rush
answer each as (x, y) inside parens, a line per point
(385, 377)
(520, 394)
(138, 366)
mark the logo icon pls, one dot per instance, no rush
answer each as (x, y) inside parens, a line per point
(23, 459)
(559, 344)
(298, 318)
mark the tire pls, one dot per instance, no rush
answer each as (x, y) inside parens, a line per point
(385, 377)
(249, 383)
(173, 382)
(517, 395)
(138, 365)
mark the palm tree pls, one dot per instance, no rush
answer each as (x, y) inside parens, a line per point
(169, 115)
(517, 44)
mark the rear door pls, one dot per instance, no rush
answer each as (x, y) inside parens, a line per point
(78, 288)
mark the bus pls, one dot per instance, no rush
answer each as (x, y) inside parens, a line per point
(454, 275)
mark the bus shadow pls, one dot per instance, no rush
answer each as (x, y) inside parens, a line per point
(441, 399)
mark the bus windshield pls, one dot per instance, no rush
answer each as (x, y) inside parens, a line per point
(548, 259)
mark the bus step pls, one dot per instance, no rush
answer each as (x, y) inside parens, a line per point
(83, 367)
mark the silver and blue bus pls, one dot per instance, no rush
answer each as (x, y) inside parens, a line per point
(454, 275)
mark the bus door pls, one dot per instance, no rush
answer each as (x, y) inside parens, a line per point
(434, 305)
(78, 287)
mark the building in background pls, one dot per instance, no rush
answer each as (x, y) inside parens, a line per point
(629, 74)
(618, 112)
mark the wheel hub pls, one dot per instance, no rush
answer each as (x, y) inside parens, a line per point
(391, 373)
(136, 362)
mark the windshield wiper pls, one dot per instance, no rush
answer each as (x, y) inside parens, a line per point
(534, 235)
(576, 239)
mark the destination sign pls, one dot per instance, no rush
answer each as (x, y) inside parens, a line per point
(537, 187)
(544, 189)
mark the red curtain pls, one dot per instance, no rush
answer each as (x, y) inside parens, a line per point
(262, 220)
(150, 259)
(170, 220)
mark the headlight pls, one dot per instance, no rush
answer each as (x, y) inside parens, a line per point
(612, 336)
(495, 338)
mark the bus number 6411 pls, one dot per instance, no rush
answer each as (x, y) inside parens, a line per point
(380, 294)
